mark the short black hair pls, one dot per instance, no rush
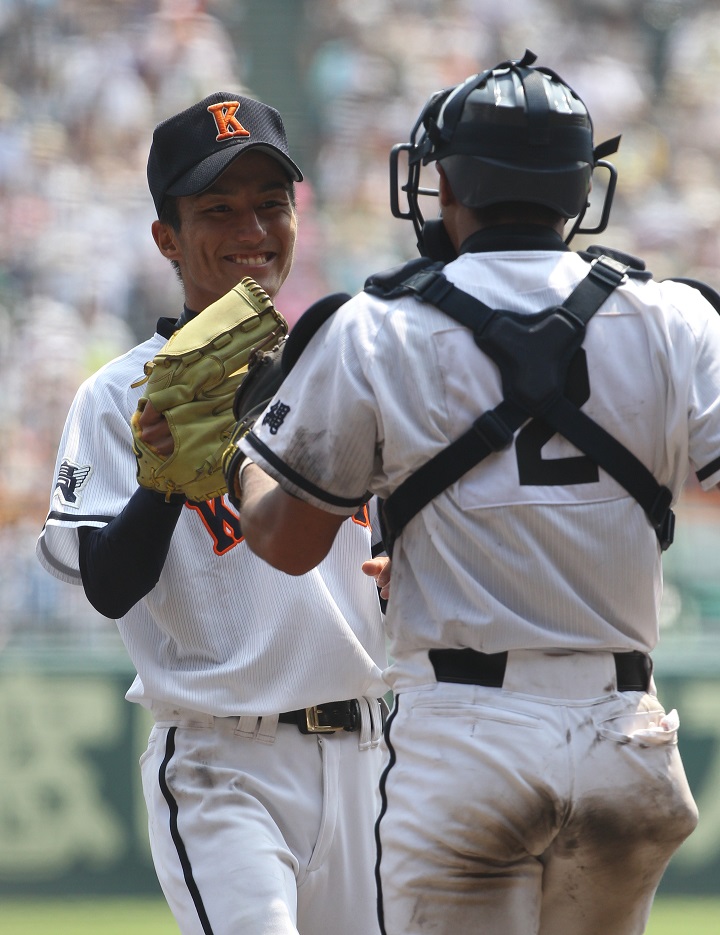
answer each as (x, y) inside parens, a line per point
(169, 212)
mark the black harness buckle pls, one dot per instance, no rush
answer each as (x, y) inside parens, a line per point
(666, 531)
(663, 518)
(430, 286)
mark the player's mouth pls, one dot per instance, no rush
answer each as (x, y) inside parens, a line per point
(256, 259)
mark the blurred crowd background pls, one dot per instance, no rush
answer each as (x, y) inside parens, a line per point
(84, 82)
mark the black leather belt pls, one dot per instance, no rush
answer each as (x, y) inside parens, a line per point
(470, 667)
(325, 718)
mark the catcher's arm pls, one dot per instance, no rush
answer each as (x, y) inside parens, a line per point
(267, 368)
(262, 381)
(289, 534)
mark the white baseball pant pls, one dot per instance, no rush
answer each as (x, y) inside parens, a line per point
(550, 806)
(259, 837)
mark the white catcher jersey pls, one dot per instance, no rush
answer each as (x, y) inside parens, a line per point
(512, 556)
(222, 632)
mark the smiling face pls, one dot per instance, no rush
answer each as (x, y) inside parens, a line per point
(243, 225)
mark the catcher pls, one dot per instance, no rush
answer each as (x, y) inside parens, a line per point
(534, 784)
(262, 769)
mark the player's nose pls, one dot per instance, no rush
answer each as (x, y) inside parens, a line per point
(249, 227)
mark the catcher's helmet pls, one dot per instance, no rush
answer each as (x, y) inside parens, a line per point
(511, 134)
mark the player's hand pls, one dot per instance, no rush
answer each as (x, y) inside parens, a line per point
(156, 432)
(379, 569)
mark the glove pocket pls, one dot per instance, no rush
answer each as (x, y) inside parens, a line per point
(642, 728)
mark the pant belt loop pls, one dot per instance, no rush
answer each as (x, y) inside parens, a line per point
(373, 715)
(247, 727)
(267, 728)
(365, 741)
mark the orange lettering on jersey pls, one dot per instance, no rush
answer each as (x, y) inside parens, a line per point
(221, 522)
(226, 122)
(362, 517)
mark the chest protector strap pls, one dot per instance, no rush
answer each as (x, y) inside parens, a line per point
(533, 354)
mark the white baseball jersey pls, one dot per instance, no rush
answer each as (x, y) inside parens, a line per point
(222, 632)
(511, 556)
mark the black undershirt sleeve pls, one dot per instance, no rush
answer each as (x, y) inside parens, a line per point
(121, 562)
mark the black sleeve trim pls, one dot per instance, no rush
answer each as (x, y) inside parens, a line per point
(299, 481)
(121, 562)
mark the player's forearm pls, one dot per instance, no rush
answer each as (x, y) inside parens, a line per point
(121, 562)
(288, 533)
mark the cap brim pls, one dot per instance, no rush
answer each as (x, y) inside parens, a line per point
(204, 173)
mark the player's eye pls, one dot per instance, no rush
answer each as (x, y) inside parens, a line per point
(275, 202)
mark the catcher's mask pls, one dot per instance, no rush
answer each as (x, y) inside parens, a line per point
(511, 134)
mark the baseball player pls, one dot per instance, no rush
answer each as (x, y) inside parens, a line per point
(528, 415)
(261, 772)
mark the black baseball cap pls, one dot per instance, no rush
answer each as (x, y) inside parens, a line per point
(191, 149)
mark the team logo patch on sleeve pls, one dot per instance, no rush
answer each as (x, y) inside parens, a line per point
(275, 416)
(70, 481)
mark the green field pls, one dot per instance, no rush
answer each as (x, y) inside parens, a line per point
(86, 917)
(670, 916)
(688, 916)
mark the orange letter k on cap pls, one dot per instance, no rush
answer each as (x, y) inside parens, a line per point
(225, 120)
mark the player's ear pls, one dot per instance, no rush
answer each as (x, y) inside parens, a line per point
(165, 238)
(447, 196)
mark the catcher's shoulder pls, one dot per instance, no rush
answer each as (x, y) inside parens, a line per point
(308, 324)
(390, 283)
(386, 284)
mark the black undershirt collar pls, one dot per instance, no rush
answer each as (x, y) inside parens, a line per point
(514, 237)
(166, 326)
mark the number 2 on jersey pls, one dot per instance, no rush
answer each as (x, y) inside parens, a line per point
(533, 469)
